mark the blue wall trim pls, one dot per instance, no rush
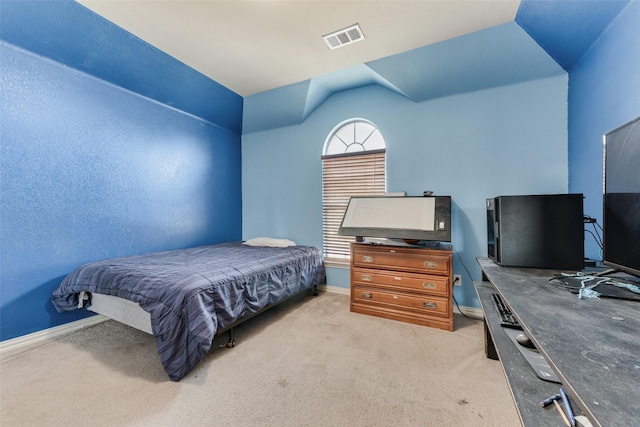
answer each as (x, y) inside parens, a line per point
(73, 35)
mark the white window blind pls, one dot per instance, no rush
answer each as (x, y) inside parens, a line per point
(343, 176)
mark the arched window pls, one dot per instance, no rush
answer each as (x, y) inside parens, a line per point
(353, 164)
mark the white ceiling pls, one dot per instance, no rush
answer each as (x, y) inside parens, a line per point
(254, 46)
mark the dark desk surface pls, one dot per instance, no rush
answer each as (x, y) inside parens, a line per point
(592, 344)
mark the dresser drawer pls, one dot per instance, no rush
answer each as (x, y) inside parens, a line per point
(427, 304)
(434, 285)
(420, 261)
(409, 284)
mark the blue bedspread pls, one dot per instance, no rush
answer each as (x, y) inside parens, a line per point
(192, 293)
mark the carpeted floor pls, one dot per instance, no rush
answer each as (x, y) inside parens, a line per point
(308, 362)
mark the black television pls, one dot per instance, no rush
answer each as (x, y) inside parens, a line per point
(621, 210)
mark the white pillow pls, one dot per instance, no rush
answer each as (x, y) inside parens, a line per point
(269, 241)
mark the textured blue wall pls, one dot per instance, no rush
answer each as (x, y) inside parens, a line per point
(604, 93)
(506, 140)
(497, 56)
(91, 171)
(484, 141)
(567, 29)
(73, 35)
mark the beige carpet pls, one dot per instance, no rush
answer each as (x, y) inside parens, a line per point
(309, 362)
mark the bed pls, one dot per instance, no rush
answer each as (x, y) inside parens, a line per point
(186, 297)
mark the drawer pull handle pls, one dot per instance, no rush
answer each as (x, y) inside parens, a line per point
(367, 259)
(428, 285)
(368, 295)
(365, 277)
(431, 264)
(430, 305)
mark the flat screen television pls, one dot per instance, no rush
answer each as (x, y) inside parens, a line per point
(413, 218)
(621, 211)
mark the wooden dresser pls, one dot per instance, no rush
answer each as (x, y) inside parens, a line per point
(410, 284)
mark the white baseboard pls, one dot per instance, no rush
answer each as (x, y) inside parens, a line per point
(473, 312)
(334, 289)
(67, 328)
(56, 331)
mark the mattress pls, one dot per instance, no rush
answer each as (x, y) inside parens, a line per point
(190, 294)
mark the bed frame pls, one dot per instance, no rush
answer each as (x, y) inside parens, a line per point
(193, 295)
(131, 314)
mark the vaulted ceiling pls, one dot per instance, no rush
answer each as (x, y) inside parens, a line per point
(272, 52)
(266, 61)
(255, 46)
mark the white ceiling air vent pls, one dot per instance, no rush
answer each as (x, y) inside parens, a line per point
(344, 37)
